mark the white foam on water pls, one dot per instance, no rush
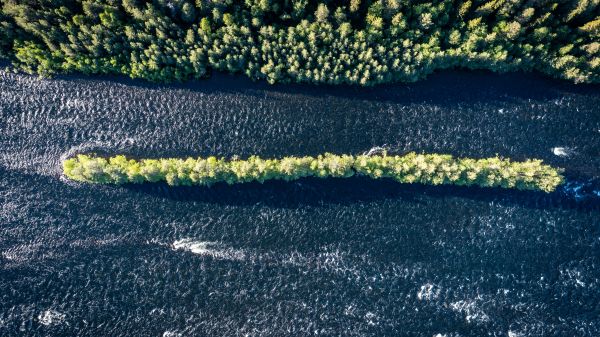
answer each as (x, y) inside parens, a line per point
(157, 311)
(572, 277)
(209, 248)
(562, 151)
(428, 292)
(24, 252)
(331, 261)
(371, 318)
(77, 103)
(472, 312)
(350, 310)
(51, 317)
(95, 242)
(342, 263)
(376, 150)
(172, 334)
(335, 261)
(95, 145)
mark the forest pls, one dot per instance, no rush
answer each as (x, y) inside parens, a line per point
(430, 169)
(361, 42)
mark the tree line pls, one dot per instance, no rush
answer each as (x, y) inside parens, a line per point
(431, 169)
(361, 42)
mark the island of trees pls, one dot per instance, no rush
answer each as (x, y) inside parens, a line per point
(327, 41)
(431, 169)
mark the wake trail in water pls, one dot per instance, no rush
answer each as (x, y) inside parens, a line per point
(210, 248)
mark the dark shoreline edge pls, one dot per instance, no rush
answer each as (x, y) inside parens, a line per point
(223, 80)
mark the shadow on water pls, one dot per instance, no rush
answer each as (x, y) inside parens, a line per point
(448, 86)
(321, 192)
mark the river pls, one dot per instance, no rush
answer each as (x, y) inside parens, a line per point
(314, 257)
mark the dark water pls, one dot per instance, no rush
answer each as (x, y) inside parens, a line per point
(336, 257)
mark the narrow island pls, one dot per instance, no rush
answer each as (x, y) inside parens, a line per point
(430, 169)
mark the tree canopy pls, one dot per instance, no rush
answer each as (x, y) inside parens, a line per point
(328, 41)
(431, 169)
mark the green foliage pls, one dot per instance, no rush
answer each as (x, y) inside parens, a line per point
(431, 169)
(326, 41)
(322, 13)
(7, 36)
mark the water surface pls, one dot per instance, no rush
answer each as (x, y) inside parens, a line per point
(315, 257)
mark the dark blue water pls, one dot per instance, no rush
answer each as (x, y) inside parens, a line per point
(316, 257)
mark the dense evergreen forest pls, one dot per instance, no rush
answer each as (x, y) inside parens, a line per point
(328, 41)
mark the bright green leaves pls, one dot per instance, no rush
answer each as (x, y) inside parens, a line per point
(431, 169)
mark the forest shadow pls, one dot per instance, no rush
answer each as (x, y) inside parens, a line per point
(442, 87)
(322, 192)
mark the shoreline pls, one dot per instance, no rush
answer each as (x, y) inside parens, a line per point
(225, 79)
